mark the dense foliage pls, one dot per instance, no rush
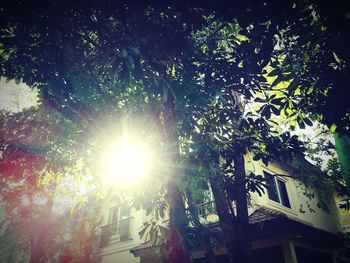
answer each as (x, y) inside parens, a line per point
(211, 80)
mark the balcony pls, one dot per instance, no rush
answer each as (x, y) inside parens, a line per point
(205, 209)
(208, 212)
(117, 232)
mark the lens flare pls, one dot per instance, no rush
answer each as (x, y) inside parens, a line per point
(127, 161)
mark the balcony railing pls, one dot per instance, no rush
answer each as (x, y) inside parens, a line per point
(206, 208)
(119, 231)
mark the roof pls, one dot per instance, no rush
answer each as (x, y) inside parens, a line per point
(145, 248)
(263, 224)
(264, 214)
(145, 245)
(260, 215)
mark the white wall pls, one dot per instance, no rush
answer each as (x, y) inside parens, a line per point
(118, 256)
(301, 206)
(119, 251)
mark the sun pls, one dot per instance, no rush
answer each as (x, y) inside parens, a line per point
(126, 161)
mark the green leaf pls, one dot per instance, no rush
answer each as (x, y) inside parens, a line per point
(277, 101)
(173, 71)
(277, 80)
(308, 121)
(266, 112)
(143, 230)
(221, 44)
(333, 127)
(294, 84)
(204, 49)
(274, 72)
(272, 97)
(257, 156)
(265, 160)
(310, 89)
(259, 100)
(275, 110)
(161, 212)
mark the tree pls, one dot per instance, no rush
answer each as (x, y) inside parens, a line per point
(318, 75)
(95, 39)
(32, 166)
(84, 231)
(167, 62)
(28, 180)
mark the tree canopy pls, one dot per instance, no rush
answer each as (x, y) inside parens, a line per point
(210, 79)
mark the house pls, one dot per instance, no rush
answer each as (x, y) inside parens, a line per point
(343, 203)
(288, 223)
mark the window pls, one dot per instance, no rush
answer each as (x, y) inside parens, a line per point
(206, 208)
(305, 255)
(124, 222)
(118, 213)
(204, 201)
(277, 190)
(124, 212)
(118, 225)
(113, 215)
(268, 255)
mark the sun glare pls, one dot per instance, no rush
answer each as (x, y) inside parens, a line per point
(126, 162)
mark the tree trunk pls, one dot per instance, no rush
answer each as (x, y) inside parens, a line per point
(242, 251)
(225, 217)
(177, 217)
(39, 240)
(342, 146)
(38, 244)
(203, 233)
(177, 247)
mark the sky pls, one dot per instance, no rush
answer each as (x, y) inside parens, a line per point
(15, 97)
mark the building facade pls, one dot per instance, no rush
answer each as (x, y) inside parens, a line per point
(288, 223)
